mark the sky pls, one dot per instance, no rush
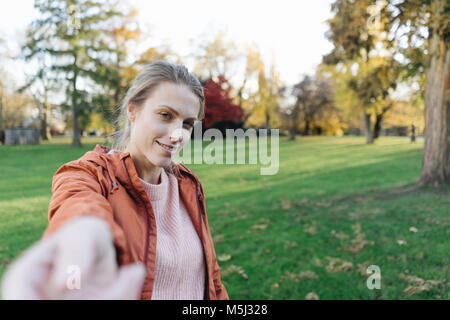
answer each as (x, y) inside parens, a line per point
(289, 31)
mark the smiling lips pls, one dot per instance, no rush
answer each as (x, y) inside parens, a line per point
(166, 147)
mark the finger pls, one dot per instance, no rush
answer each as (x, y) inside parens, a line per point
(128, 284)
(84, 247)
(26, 276)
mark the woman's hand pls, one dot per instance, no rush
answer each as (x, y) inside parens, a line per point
(76, 262)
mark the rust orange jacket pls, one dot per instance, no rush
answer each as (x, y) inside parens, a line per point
(107, 186)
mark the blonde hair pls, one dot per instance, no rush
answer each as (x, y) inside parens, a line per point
(151, 76)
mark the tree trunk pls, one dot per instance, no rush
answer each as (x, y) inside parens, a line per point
(76, 140)
(267, 119)
(45, 129)
(292, 129)
(307, 128)
(367, 128)
(379, 120)
(377, 126)
(436, 157)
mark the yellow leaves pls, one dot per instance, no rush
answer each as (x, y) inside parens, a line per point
(301, 275)
(290, 245)
(234, 269)
(364, 212)
(339, 235)
(312, 296)
(311, 229)
(275, 286)
(419, 256)
(286, 204)
(218, 238)
(413, 229)
(262, 225)
(224, 257)
(362, 267)
(259, 226)
(335, 264)
(417, 284)
(359, 242)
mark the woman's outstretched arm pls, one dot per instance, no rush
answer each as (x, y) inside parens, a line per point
(76, 262)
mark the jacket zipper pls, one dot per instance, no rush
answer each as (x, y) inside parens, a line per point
(203, 241)
(148, 225)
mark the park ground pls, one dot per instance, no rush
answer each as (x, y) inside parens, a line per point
(310, 231)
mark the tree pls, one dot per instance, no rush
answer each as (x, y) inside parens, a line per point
(312, 108)
(263, 100)
(71, 32)
(362, 45)
(16, 107)
(216, 57)
(220, 112)
(425, 24)
(435, 16)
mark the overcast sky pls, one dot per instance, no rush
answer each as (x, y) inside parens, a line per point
(291, 31)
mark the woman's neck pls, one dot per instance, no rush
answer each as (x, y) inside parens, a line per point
(145, 170)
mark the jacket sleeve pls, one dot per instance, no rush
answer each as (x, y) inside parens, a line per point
(221, 292)
(76, 191)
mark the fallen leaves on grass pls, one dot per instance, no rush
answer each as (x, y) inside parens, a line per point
(339, 235)
(262, 225)
(419, 256)
(290, 244)
(359, 242)
(362, 267)
(335, 264)
(312, 296)
(301, 275)
(401, 258)
(218, 238)
(401, 242)
(286, 204)
(259, 226)
(311, 229)
(223, 212)
(417, 284)
(234, 269)
(413, 229)
(323, 204)
(364, 213)
(224, 257)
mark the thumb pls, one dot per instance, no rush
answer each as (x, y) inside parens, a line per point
(128, 284)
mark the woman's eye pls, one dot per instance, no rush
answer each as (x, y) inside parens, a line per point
(165, 115)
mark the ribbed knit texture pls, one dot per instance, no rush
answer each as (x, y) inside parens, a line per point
(180, 270)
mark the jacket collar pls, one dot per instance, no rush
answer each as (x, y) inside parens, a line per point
(114, 165)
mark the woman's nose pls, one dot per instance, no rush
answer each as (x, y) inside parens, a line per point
(176, 135)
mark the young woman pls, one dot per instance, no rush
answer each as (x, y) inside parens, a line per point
(129, 222)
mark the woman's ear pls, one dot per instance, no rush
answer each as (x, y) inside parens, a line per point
(131, 111)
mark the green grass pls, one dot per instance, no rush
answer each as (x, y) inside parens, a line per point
(275, 236)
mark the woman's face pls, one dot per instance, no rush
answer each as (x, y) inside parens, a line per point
(166, 117)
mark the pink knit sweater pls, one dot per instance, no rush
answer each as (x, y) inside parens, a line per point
(180, 270)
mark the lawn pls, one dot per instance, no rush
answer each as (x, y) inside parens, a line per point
(309, 231)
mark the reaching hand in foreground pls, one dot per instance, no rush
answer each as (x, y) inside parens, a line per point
(76, 262)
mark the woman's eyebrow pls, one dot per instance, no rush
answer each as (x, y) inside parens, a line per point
(176, 112)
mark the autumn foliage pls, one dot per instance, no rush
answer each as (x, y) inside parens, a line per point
(219, 107)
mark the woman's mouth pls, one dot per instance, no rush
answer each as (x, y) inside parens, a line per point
(166, 148)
